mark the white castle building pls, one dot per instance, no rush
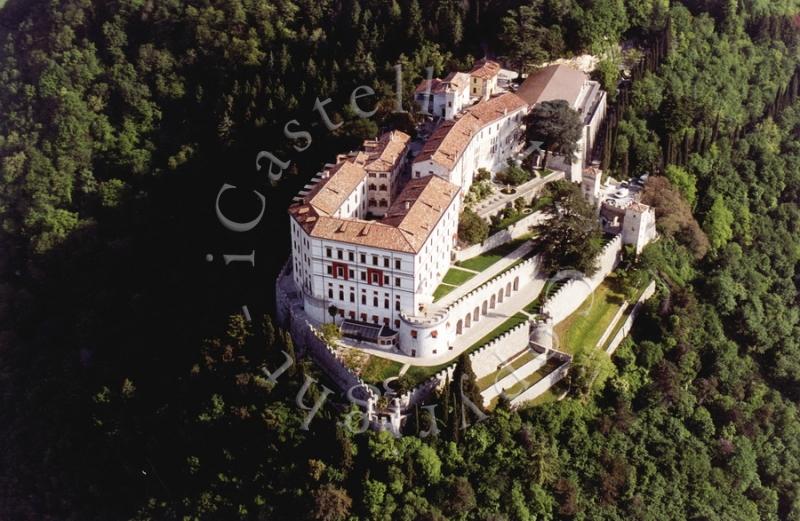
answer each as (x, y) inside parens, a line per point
(369, 271)
(448, 97)
(486, 135)
(369, 253)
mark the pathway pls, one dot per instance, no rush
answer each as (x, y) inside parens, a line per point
(499, 200)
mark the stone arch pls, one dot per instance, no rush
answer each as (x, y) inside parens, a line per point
(484, 308)
(476, 314)
(516, 283)
(500, 295)
(459, 326)
(508, 289)
(468, 320)
(493, 301)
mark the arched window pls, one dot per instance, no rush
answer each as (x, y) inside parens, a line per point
(384, 203)
(383, 187)
(372, 186)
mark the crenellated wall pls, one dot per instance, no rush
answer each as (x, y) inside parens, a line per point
(485, 360)
(432, 334)
(571, 295)
(514, 231)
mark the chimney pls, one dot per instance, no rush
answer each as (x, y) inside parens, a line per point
(408, 205)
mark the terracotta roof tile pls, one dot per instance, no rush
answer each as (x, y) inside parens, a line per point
(450, 140)
(329, 194)
(383, 153)
(403, 229)
(485, 69)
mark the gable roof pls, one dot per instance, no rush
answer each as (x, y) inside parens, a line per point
(485, 69)
(406, 226)
(449, 141)
(384, 152)
(553, 82)
(329, 194)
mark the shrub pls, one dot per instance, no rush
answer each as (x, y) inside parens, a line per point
(471, 228)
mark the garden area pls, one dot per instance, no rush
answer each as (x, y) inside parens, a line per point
(485, 260)
(584, 328)
(452, 279)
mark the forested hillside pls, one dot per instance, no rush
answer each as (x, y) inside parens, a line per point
(121, 120)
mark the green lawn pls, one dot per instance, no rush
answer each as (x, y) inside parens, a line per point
(624, 317)
(379, 369)
(457, 277)
(452, 279)
(518, 362)
(483, 261)
(529, 381)
(583, 328)
(442, 290)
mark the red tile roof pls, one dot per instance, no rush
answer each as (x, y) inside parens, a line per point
(450, 140)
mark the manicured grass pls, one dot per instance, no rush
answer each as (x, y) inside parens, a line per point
(529, 381)
(442, 290)
(511, 323)
(549, 396)
(417, 374)
(379, 369)
(483, 261)
(583, 328)
(624, 317)
(457, 277)
(518, 362)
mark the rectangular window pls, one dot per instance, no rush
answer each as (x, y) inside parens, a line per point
(374, 260)
(329, 269)
(397, 264)
(397, 281)
(375, 301)
(364, 299)
(363, 275)
(386, 303)
(339, 254)
(352, 297)
(386, 280)
(386, 262)
(397, 306)
(363, 259)
(328, 252)
(413, 333)
(330, 293)
(350, 256)
(352, 274)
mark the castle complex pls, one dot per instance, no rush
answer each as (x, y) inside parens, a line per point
(373, 234)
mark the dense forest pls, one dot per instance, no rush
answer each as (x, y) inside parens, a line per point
(132, 388)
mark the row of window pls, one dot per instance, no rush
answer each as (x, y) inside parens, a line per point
(381, 187)
(372, 277)
(351, 256)
(375, 299)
